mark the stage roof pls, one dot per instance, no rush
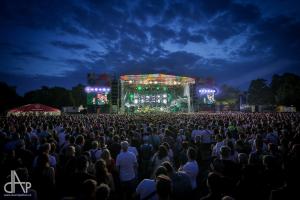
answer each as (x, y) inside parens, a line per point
(157, 79)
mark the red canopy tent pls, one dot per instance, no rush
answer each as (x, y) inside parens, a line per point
(37, 109)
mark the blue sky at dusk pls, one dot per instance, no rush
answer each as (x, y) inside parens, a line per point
(57, 42)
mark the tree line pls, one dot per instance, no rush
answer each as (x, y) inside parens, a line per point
(52, 96)
(282, 90)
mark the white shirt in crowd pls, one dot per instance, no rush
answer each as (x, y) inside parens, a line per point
(217, 148)
(191, 169)
(126, 163)
(133, 150)
(145, 188)
(196, 133)
(95, 152)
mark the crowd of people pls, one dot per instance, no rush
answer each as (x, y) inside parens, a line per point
(205, 156)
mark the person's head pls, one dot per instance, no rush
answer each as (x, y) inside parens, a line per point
(106, 155)
(116, 138)
(161, 170)
(191, 153)
(70, 151)
(269, 162)
(124, 145)
(102, 192)
(45, 148)
(100, 165)
(95, 144)
(225, 152)
(169, 167)
(185, 145)
(80, 140)
(166, 145)
(88, 189)
(258, 144)
(162, 151)
(214, 182)
(163, 187)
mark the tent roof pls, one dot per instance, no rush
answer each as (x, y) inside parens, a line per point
(35, 108)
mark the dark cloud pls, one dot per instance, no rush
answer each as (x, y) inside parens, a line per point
(69, 45)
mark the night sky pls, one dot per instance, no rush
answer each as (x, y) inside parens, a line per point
(57, 42)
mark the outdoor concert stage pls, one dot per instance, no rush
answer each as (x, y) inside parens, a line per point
(155, 93)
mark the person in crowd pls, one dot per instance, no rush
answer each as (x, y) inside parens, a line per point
(95, 152)
(81, 173)
(191, 167)
(146, 189)
(103, 176)
(163, 187)
(126, 164)
(88, 190)
(215, 186)
(146, 152)
(159, 157)
(109, 161)
(102, 192)
(44, 178)
(181, 183)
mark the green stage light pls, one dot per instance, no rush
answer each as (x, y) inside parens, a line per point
(165, 88)
(157, 88)
(139, 88)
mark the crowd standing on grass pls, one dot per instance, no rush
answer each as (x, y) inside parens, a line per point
(205, 156)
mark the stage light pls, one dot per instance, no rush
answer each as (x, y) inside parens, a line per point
(130, 82)
(147, 97)
(165, 88)
(96, 89)
(135, 101)
(206, 91)
(164, 96)
(139, 88)
(142, 101)
(158, 101)
(150, 82)
(155, 82)
(165, 101)
(157, 88)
